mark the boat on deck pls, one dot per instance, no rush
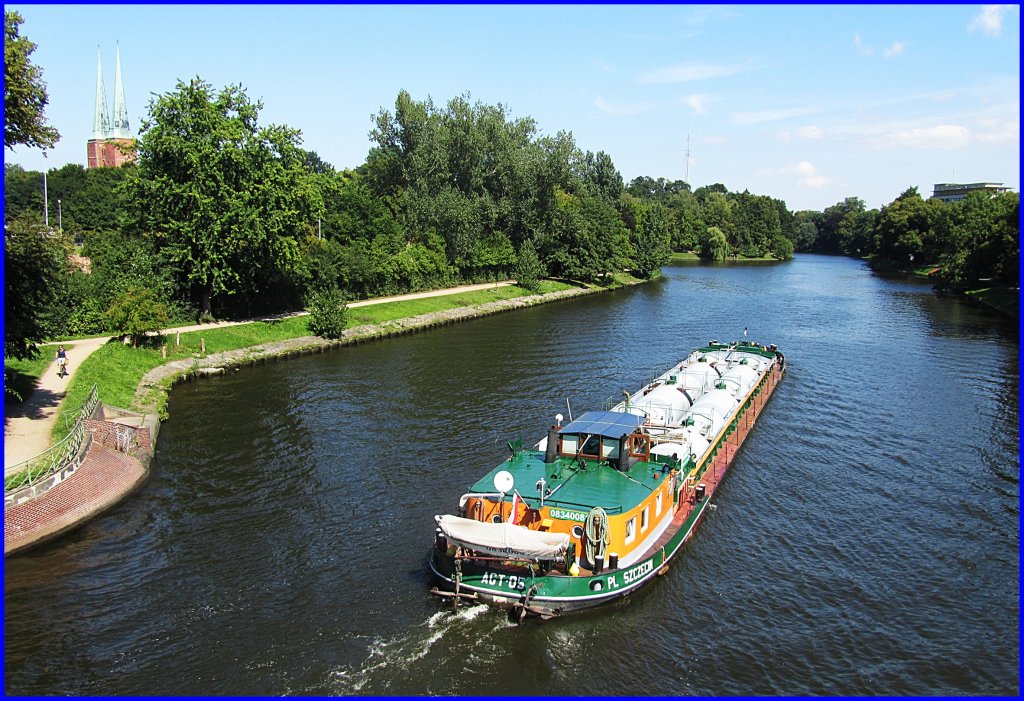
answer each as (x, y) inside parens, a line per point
(602, 503)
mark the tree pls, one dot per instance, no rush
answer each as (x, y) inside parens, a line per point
(25, 95)
(226, 199)
(902, 228)
(846, 228)
(805, 231)
(755, 224)
(651, 240)
(718, 212)
(782, 248)
(136, 313)
(529, 270)
(713, 245)
(469, 174)
(600, 175)
(34, 267)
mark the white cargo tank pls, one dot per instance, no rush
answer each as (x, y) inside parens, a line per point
(698, 377)
(739, 380)
(682, 443)
(665, 405)
(712, 411)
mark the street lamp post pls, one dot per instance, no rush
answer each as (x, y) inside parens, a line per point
(46, 204)
(60, 219)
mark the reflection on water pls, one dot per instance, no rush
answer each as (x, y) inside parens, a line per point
(866, 542)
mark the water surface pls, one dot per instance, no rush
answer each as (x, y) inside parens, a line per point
(865, 543)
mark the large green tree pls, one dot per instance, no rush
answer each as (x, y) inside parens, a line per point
(25, 95)
(35, 266)
(464, 171)
(755, 224)
(226, 199)
(650, 237)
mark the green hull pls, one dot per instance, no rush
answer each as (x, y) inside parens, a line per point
(554, 594)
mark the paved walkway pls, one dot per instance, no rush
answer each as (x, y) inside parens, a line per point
(27, 427)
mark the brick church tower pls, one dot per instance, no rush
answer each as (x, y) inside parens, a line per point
(111, 144)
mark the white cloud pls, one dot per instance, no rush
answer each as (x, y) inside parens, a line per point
(811, 132)
(761, 116)
(895, 50)
(699, 103)
(685, 72)
(815, 182)
(807, 175)
(865, 50)
(989, 20)
(700, 16)
(998, 131)
(626, 110)
(804, 168)
(784, 135)
(944, 137)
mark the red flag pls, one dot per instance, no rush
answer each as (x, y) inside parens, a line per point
(515, 507)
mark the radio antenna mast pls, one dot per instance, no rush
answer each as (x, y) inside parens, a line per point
(687, 176)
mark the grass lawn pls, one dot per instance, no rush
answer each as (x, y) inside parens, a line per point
(117, 368)
(683, 257)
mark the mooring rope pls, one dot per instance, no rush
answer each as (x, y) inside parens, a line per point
(597, 533)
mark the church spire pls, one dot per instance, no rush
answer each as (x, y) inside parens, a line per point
(120, 125)
(100, 120)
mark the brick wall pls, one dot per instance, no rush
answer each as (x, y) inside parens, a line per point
(105, 433)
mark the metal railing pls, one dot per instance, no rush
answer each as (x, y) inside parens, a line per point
(64, 454)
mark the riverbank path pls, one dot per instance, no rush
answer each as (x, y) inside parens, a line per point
(27, 426)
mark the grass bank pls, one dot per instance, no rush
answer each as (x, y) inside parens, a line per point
(689, 257)
(999, 297)
(117, 369)
(1004, 299)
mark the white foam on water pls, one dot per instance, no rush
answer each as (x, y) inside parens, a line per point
(386, 657)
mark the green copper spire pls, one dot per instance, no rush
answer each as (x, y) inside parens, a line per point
(120, 128)
(100, 120)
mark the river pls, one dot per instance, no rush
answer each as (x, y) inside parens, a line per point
(866, 541)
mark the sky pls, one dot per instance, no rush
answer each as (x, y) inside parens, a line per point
(807, 103)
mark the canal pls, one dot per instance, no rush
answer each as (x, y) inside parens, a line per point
(866, 541)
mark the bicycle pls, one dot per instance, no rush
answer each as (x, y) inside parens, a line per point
(62, 368)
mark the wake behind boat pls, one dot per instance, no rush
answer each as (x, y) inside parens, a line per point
(602, 503)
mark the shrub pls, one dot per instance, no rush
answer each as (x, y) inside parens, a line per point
(529, 269)
(328, 312)
(136, 313)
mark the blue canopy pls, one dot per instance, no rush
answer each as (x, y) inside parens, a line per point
(609, 424)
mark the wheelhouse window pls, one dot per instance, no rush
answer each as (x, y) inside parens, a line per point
(570, 444)
(631, 530)
(644, 518)
(592, 447)
(657, 505)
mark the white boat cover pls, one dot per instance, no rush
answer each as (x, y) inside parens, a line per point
(503, 539)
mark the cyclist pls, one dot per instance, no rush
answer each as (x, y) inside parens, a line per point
(62, 361)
